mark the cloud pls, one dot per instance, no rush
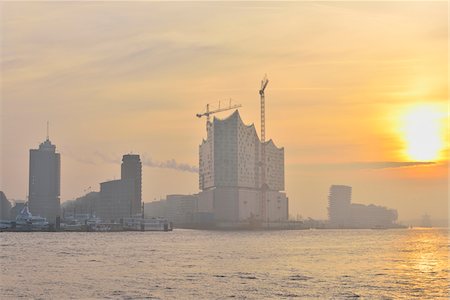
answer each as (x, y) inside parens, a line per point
(387, 164)
(364, 165)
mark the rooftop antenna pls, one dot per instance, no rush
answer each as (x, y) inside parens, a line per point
(47, 131)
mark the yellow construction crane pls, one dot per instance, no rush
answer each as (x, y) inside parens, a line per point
(263, 213)
(208, 112)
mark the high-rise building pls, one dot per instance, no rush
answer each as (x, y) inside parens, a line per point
(230, 173)
(339, 205)
(116, 199)
(131, 169)
(122, 198)
(44, 181)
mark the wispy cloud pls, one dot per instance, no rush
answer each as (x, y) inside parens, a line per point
(364, 165)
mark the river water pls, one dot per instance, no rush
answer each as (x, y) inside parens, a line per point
(190, 264)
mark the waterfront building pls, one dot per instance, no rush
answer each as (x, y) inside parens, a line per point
(178, 209)
(345, 214)
(155, 209)
(131, 169)
(84, 205)
(116, 199)
(230, 173)
(372, 216)
(44, 181)
(339, 203)
(5, 207)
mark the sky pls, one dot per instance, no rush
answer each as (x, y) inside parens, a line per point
(357, 94)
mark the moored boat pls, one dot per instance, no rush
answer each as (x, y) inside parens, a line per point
(25, 221)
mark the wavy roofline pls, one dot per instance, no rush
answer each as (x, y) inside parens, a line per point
(252, 125)
(273, 144)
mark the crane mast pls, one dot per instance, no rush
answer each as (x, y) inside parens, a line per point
(264, 83)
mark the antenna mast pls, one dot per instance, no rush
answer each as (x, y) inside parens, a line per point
(47, 131)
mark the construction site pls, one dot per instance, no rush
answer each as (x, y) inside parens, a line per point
(241, 177)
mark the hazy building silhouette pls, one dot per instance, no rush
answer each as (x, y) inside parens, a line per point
(342, 213)
(230, 175)
(339, 201)
(116, 199)
(372, 216)
(5, 207)
(44, 181)
(120, 198)
(155, 209)
(179, 209)
(84, 205)
(131, 169)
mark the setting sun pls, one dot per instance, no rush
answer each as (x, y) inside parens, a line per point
(422, 130)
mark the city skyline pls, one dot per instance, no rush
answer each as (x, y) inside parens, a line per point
(344, 116)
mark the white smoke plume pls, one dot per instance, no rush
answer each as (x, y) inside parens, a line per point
(169, 164)
(98, 157)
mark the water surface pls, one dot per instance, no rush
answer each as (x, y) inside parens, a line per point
(189, 264)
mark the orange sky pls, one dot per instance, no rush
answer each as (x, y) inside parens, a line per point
(118, 77)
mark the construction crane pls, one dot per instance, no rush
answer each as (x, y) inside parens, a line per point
(264, 83)
(208, 112)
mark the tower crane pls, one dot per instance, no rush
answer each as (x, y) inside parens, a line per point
(264, 83)
(208, 112)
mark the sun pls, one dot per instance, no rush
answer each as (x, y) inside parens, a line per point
(422, 128)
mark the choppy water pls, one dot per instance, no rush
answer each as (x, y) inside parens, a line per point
(188, 264)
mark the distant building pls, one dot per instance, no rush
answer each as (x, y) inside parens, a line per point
(344, 214)
(155, 209)
(131, 169)
(372, 216)
(116, 199)
(44, 181)
(84, 205)
(339, 202)
(5, 207)
(181, 210)
(230, 175)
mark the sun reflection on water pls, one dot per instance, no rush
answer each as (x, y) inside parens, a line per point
(424, 261)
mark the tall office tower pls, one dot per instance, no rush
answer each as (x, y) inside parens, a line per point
(230, 173)
(132, 170)
(44, 181)
(339, 205)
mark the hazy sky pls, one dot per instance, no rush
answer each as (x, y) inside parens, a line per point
(355, 88)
